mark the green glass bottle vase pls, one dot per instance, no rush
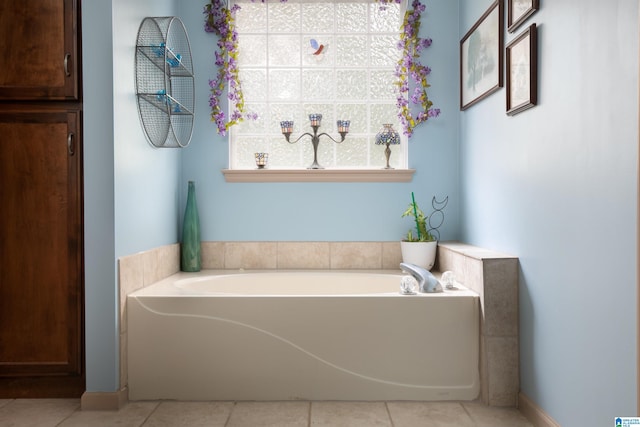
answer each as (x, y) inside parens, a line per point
(190, 258)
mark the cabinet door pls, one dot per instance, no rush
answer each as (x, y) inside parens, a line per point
(41, 286)
(39, 49)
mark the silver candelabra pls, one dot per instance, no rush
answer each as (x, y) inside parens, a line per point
(315, 119)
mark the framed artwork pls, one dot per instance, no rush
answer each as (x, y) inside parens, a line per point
(519, 11)
(522, 71)
(481, 57)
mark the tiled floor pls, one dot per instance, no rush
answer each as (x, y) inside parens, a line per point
(67, 413)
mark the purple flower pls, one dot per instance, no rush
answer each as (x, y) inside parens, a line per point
(219, 59)
(434, 112)
(235, 116)
(410, 66)
(221, 21)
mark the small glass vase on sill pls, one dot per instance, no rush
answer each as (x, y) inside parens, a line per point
(387, 136)
(261, 160)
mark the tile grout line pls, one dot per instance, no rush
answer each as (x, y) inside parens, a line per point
(386, 405)
(78, 408)
(309, 414)
(226, 423)
(464, 407)
(150, 413)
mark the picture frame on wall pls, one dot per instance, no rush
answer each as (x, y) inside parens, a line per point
(520, 11)
(481, 57)
(522, 71)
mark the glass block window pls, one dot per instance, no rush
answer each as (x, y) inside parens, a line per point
(333, 57)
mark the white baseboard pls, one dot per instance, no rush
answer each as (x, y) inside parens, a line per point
(104, 401)
(534, 413)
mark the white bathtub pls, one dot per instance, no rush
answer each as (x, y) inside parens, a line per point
(300, 335)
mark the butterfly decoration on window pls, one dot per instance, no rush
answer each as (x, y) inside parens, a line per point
(318, 49)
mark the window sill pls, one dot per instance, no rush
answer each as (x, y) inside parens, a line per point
(318, 175)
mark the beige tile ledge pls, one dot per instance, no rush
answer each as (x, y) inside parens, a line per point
(494, 276)
(318, 175)
(474, 251)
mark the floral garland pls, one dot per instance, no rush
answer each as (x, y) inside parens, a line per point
(410, 65)
(220, 20)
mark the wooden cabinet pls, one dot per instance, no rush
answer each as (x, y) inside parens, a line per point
(39, 45)
(41, 223)
(41, 249)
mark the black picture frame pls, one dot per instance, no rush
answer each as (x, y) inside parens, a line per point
(481, 57)
(520, 11)
(522, 71)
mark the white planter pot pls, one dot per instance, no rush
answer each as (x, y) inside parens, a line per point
(422, 254)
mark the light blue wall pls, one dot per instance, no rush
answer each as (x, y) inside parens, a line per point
(326, 211)
(99, 237)
(146, 202)
(556, 186)
(131, 189)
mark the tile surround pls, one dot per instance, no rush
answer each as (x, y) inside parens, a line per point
(213, 255)
(250, 255)
(301, 255)
(304, 255)
(492, 275)
(135, 272)
(503, 368)
(356, 255)
(391, 255)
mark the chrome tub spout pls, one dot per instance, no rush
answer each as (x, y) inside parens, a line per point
(427, 283)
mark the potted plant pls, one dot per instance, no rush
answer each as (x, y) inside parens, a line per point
(420, 243)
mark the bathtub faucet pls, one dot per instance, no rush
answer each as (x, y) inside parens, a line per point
(426, 281)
